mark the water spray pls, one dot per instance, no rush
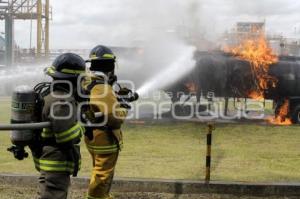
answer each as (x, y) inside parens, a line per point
(16, 76)
(181, 66)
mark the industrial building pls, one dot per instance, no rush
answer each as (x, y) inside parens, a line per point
(252, 30)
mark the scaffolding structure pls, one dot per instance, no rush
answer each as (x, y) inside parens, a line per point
(38, 10)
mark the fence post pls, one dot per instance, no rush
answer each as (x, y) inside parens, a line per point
(208, 152)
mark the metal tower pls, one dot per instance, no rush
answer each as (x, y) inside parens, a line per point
(38, 10)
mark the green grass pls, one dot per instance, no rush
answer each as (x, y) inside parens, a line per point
(177, 151)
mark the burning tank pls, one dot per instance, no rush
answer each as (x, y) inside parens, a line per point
(229, 76)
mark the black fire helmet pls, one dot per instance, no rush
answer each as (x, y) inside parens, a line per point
(66, 66)
(102, 59)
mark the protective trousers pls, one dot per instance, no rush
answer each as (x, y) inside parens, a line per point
(53, 185)
(106, 141)
(102, 175)
(56, 166)
(104, 150)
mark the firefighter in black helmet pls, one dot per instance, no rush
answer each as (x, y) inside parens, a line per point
(57, 154)
(66, 67)
(103, 142)
(103, 60)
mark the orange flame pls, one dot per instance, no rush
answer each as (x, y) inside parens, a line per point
(192, 87)
(256, 95)
(282, 118)
(260, 56)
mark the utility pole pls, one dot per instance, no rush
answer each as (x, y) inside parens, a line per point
(47, 26)
(9, 40)
(39, 10)
(39, 41)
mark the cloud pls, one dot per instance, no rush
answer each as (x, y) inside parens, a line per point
(81, 24)
(220, 15)
(266, 7)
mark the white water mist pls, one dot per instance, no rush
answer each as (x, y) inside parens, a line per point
(20, 75)
(181, 65)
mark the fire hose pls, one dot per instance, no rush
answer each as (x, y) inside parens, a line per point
(25, 122)
(26, 126)
(18, 148)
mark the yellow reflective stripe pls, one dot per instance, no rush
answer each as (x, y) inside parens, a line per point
(105, 56)
(70, 137)
(64, 133)
(54, 168)
(70, 71)
(47, 133)
(50, 70)
(110, 56)
(72, 133)
(103, 149)
(44, 168)
(52, 165)
(82, 129)
(54, 162)
(44, 135)
(93, 56)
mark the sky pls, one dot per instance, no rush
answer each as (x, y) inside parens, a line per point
(81, 24)
(156, 25)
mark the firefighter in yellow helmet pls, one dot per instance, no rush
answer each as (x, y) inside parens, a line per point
(105, 141)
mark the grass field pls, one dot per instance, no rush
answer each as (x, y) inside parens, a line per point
(177, 151)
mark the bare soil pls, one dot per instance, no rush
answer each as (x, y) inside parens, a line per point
(10, 192)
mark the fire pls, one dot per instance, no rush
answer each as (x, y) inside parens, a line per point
(256, 95)
(282, 116)
(192, 87)
(260, 56)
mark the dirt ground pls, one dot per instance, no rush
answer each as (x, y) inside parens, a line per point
(9, 192)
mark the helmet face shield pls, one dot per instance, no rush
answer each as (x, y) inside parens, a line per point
(103, 65)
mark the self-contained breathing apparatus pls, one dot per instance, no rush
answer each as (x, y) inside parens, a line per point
(26, 107)
(125, 97)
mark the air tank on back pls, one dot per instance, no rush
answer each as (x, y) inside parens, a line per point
(23, 110)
